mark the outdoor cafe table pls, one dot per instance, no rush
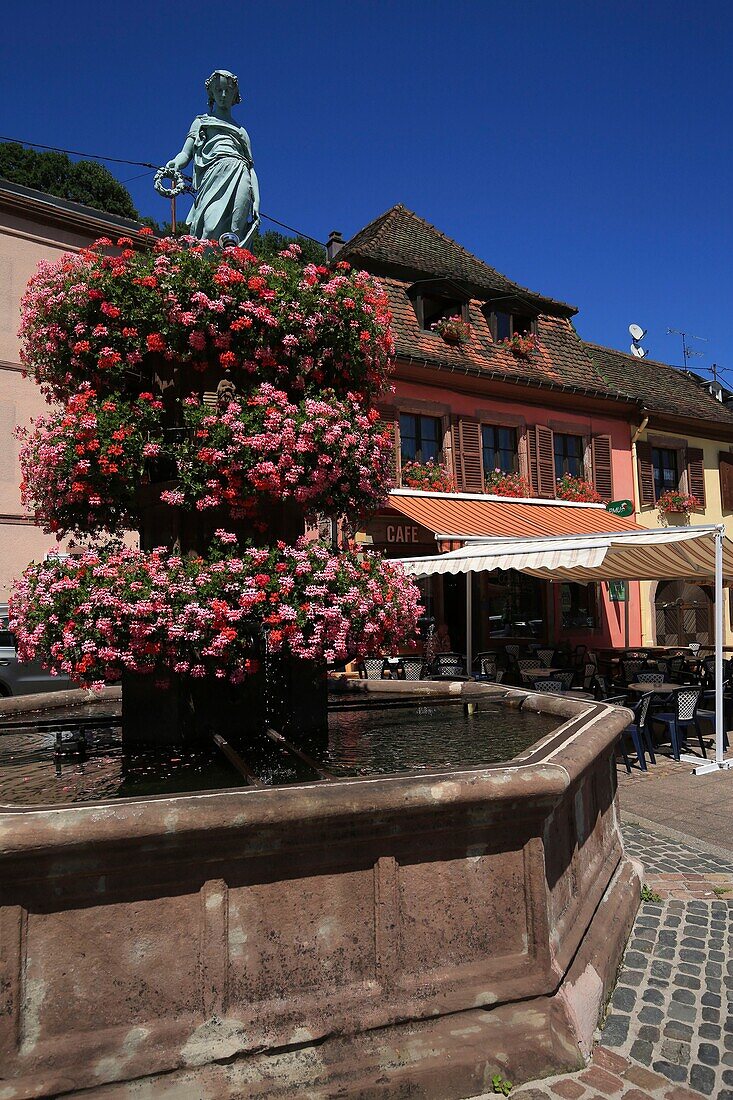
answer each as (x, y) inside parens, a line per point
(540, 672)
(658, 689)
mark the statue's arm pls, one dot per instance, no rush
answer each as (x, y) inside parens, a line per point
(255, 195)
(186, 154)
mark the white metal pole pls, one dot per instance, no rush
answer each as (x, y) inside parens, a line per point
(469, 623)
(719, 645)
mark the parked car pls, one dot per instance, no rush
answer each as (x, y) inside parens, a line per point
(23, 678)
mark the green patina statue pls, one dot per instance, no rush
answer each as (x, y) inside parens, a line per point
(226, 185)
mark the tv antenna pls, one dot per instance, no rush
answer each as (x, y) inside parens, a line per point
(637, 334)
(687, 351)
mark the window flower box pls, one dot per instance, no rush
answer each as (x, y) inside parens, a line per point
(577, 489)
(454, 330)
(502, 484)
(431, 476)
(522, 346)
(673, 503)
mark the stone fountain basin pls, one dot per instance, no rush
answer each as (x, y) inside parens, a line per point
(371, 937)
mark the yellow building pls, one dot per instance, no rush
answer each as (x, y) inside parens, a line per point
(682, 446)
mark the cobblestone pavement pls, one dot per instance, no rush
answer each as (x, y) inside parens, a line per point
(668, 1034)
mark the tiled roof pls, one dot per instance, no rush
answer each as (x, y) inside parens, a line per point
(458, 515)
(560, 361)
(401, 243)
(657, 386)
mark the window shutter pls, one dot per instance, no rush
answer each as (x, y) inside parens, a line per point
(602, 472)
(646, 473)
(725, 465)
(388, 419)
(469, 459)
(696, 475)
(543, 477)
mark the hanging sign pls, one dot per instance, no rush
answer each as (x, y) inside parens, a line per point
(617, 591)
(620, 508)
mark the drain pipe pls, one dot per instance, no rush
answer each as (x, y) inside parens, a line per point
(640, 429)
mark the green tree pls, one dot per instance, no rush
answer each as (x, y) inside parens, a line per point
(267, 245)
(81, 181)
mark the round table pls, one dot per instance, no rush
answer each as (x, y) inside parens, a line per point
(658, 689)
(539, 673)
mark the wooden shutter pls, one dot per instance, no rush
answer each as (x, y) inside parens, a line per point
(542, 461)
(388, 419)
(696, 475)
(601, 458)
(646, 474)
(725, 465)
(469, 457)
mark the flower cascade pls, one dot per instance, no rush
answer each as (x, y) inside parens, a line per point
(503, 484)
(102, 318)
(430, 475)
(119, 609)
(672, 500)
(327, 453)
(577, 489)
(80, 465)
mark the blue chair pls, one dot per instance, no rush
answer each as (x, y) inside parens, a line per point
(685, 701)
(638, 731)
(708, 697)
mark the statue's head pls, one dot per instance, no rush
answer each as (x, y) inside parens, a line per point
(223, 89)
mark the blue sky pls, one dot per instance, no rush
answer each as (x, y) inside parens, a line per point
(584, 148)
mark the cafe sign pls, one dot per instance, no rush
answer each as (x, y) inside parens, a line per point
(620, 508)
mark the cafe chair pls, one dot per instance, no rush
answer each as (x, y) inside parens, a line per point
(545, 656)
(372, 668)
(650, 677)
(485, 665)
(547, 685)
(685, 702)
(448, 666)
(413, 668)
(638, 732)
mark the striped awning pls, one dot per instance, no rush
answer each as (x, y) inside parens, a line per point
(640, 555)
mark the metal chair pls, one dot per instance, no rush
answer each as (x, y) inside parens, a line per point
(638, 731)
(372, 668)
(685, 701)
(547, 685)
(413, 668)
(545, 656)
(447, 666)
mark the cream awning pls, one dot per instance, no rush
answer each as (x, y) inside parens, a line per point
(667, 553)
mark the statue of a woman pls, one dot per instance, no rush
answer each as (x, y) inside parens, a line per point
(227, 189)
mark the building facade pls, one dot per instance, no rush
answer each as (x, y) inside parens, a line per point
(33, 227)
(518, 397)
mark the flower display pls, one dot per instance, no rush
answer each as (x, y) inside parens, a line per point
(329, 454)
(431, 476)
(502, 484)
(454, 330)
(102, 316)
(81, 464)
(674, 501)
(117, 609)
(522, 345)
(577, 489)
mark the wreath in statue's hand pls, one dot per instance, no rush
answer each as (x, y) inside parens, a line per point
(178, 184)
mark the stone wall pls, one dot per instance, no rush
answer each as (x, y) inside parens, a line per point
(406, 935)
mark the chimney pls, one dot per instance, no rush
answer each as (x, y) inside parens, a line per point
(335, 244)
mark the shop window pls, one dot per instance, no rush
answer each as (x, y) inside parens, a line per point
(499, 449)
(666, 470)
(421, 438)
(579, 606)
(568, 451)
(513, 605)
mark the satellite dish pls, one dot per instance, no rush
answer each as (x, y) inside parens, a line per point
(636, 332)
(637, 351)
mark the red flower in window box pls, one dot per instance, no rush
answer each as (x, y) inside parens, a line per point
(431, 476)
(507, 485)
(454, 330)
(577, 489)
(521, 345)
(673, 502)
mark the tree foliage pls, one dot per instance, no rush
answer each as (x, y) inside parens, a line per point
(56, 174)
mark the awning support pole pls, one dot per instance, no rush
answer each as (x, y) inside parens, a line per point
(720, 762)
(469, 623)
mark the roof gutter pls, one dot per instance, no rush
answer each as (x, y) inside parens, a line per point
(641, 427)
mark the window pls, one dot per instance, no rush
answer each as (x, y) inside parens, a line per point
(431, 309)
(499, 449)
(421, 438)
(504, 325)
(579, 604)
(513, 604)
(568, 455)
(666, 473)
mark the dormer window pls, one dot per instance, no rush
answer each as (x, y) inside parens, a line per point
(437, 301)
(505, 323)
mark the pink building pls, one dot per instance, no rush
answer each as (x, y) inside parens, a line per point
(519, 397)
(33, 227)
